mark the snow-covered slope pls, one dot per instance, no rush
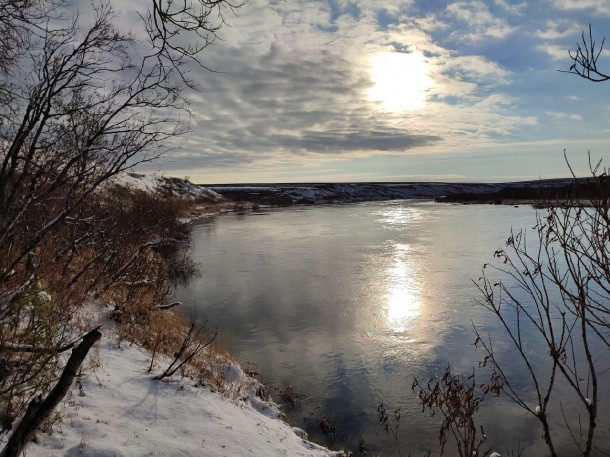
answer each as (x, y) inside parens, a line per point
(165, 186)
(118, 410)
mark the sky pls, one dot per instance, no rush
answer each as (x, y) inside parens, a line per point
(395, 90)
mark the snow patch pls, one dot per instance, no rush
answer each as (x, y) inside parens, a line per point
(155, 183)
(120, 410)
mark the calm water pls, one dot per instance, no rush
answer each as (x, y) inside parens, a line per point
(351, 303)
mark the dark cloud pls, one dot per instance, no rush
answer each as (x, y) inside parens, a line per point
(178, 160)
(340, 142)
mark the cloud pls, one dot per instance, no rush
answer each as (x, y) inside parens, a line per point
(597, 6)
(477, 69)
(554, 51)
(373, 6)
(387, 140)
(558, 29)
(516, 9)
(293, 80)
(293, 83)
(480, 23)
(565, 116)
(559, 36)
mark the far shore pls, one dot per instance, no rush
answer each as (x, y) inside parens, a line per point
(241, 197)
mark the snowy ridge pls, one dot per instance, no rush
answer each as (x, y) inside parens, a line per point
(170, 186)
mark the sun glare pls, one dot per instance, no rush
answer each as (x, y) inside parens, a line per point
(403, 295)
(400, 80)
(403, 308)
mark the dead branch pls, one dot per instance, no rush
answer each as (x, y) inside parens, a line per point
(38, 410)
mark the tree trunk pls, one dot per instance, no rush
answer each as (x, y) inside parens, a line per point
(38, 409)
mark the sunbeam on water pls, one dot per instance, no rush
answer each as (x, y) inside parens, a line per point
(402, 301)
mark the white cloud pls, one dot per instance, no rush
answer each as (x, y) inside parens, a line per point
(478, 69)
(564, 116)
(371, 6)
(554, 51)
(558, 29)
(480, 23)
(516, 9)
(296, 81)
(598, 6)
(294, 76)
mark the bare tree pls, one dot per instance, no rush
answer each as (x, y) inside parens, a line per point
(551, 296)
(79, 104)
(180, 31)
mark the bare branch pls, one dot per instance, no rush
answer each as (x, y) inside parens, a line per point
(585, 58)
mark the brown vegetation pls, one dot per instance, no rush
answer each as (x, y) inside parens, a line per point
(123, 251)
(81, 104)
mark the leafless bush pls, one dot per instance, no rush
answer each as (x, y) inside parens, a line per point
(193, 343)
(390, 424)
(457, 398)
(291, 395)
(585, 58)
(551, 298)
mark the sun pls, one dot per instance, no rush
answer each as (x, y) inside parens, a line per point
(400, 80)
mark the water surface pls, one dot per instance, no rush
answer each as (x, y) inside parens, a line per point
(350, 303)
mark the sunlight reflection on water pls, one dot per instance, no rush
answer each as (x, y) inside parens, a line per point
(403, 294)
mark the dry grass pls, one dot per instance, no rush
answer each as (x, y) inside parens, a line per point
(138, 309)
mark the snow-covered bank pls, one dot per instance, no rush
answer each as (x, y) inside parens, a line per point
(117, 409)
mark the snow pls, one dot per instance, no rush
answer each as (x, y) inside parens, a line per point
(146, 183)
(153, 183)
(119, 409)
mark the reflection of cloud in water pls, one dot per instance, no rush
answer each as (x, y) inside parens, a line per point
(348, 400)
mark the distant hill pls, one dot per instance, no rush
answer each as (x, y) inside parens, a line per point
(320, 193)
(287, 194)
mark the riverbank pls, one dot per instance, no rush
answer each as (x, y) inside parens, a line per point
(117, 408)
(126, 399)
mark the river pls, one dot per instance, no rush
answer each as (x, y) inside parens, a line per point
(350, 303)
